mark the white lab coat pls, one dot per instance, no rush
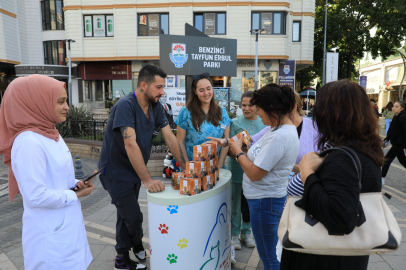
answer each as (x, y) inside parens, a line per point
(54, 235)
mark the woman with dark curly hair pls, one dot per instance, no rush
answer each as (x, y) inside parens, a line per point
(267, 166)
(344, 117)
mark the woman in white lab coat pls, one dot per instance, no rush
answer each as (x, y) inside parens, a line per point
(41, 168)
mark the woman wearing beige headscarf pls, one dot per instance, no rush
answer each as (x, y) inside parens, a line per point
(41, 168)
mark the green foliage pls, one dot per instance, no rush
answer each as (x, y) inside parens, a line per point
(70, 128)
(110, 103)
(231, 115)
(304, 77)
(349, 26)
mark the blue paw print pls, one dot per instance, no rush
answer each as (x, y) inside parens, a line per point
(173, 209)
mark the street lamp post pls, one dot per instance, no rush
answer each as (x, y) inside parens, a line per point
(324, 51)
(256, 31)
(70, 72)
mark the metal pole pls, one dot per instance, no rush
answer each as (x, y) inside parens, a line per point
(256, 59)
(359, 71)
(70, 75)
(324, 51)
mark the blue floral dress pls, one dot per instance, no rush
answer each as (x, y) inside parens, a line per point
(194, 137)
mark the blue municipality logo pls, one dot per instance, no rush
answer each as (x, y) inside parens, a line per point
(286, 69)
(178, 55)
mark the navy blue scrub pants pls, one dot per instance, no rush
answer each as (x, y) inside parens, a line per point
(124, 195)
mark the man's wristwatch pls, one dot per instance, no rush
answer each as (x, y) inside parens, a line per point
(236, 158)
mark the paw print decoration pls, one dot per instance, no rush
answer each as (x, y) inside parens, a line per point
(182, 243)
(172, 209)
(172, 258)
(163, 228)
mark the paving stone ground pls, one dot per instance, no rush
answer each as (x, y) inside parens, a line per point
(100, 218)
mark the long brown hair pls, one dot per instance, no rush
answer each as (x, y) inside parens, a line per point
(195, 107)
(344, 116)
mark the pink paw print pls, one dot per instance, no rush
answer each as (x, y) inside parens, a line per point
(163, 228)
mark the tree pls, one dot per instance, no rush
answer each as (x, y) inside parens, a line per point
(349, 27)
(304, 77)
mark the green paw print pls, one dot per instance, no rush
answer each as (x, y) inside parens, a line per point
(182, 243)
(172, 258)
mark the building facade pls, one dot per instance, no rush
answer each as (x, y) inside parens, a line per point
(32, 41)
(383, 78)
(115, 38)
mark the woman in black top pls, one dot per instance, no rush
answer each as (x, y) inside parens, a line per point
(331, 191)
(397, 136)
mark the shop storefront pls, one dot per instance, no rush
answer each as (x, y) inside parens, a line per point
(373, 85)
(170, 81)
(61, 73)
(7, 75)
(393, 77)
(103, 81)
(245, 79)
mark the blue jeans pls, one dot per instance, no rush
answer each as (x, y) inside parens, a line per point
(265, 215)
(387, 125)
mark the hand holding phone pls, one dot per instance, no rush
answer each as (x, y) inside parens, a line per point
(87, 178)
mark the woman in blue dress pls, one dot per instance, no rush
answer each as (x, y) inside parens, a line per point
(201, 118)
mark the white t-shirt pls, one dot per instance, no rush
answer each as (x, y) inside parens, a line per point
(276, 153)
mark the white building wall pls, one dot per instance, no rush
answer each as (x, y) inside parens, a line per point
(74, 30)
(127, 45)
(30, 28)
(10, 37)
(125, 31)
(8, 32)
(238, 28)
(8, 5)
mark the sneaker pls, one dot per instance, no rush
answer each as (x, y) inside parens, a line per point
(235, 242)
(383, 181)
(248, 241)
(142, 255)
(126, 263)
(233, 261)
(139, 252)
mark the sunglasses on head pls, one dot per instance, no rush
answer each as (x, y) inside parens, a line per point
(256, 94)
(203, 75)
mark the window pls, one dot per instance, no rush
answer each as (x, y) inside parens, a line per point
(264, 78)
(98, 25)
(153, 24)
(54, 52)
(52, 15)
(88, 90)
(210, 23)
(272, 23)
(296, 31)
(99, 91)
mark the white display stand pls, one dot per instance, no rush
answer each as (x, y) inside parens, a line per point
(191, 232)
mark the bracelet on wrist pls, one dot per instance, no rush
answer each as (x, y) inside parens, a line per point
(227, 142)
(240, 154)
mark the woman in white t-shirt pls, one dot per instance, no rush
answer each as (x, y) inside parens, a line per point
(267, 166)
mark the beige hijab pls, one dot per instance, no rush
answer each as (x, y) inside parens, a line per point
(28, 104)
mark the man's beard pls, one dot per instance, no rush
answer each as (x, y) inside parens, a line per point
(150, 98)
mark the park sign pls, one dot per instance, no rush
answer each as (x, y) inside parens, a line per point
(192, 55)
